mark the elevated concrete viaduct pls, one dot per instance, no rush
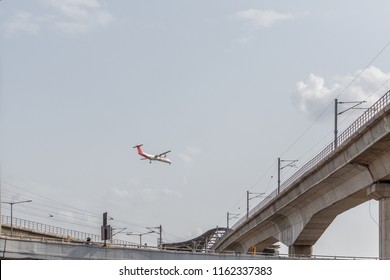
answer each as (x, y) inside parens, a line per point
(341, 177)
(333, 182)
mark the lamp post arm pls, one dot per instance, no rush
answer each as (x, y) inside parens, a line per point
(12, 204)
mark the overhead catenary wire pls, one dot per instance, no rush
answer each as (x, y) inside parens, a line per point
(48, 201)
(338, 95)
(42, 207)
(320, 115)
(342, 121)
(75, 218)
(83, 212)
(363, 70)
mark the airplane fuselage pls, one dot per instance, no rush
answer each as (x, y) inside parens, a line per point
(163, 160)
(160, 157)
(153, 157)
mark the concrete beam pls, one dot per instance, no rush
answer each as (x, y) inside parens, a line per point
(381, 192)
(301, 212)
(300, 250)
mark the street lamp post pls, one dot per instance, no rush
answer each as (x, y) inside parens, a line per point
(12, 204)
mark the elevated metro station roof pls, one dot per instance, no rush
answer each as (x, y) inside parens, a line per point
(197, 244)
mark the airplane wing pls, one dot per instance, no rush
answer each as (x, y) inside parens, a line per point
(163, 154)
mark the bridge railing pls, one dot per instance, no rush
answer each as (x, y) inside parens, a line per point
(368, 115)
(59, 232)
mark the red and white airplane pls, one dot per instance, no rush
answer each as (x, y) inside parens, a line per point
(160, 157)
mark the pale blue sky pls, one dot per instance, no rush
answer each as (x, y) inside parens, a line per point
(228, 86)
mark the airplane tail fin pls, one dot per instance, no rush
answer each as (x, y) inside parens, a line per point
(138, 148)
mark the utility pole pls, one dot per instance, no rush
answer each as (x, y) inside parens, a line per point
(336, 113)
(160, 237)
(290, 163)
(250, 198)
(160, 234)
(140, 236)
(335, 124)
(279, 175)
(0, 200)
(112, 232)
(229, 217)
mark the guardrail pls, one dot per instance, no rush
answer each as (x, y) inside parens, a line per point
(175, 251)
(368, 115)
(66, 234)
(124, 244)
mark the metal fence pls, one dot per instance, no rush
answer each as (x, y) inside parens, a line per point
(66, 234)
(374, 111)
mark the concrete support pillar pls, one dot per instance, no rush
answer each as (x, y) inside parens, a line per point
(300, 250)
(381, 192)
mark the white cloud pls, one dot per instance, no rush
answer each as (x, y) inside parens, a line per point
(69, 16)
(74, 8)
(261, 19)
(186, 158)
(264, 18)
(24, 22)
(188, 155)
(79, 16)
(120, 192)
(71, 27)
(313, 95)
